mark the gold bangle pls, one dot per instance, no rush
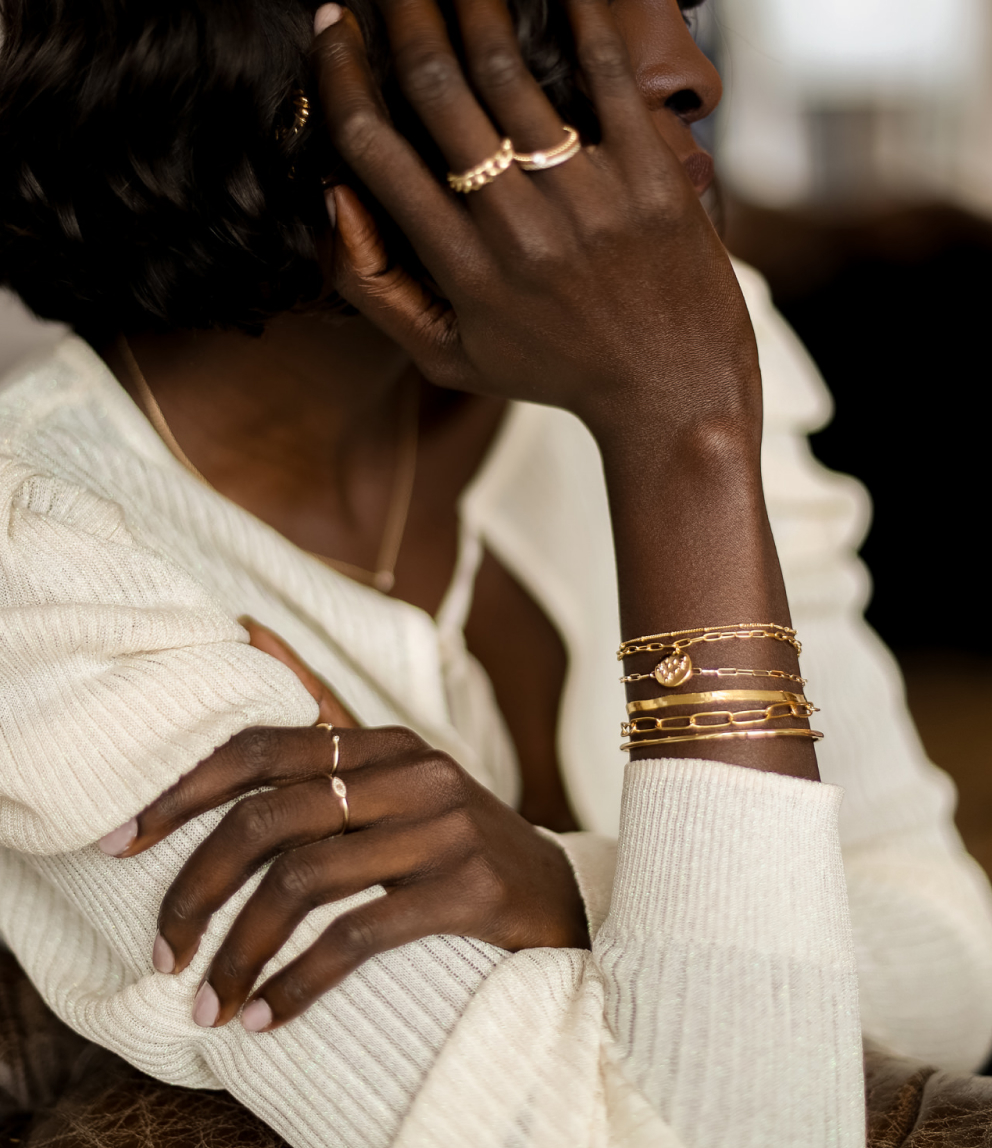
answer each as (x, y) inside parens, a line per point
(732, 718)
(482, 173)
(725, 672)
(813, 734)
(715, 696)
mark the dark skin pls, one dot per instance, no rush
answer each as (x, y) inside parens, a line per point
(598, 286)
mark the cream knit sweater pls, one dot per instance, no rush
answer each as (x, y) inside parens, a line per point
(719, 1005)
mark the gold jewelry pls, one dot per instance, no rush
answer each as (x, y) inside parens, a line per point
(676, 667)
(728, 718)
(484, 172)
(715, 696)
(340, 791)
(551, 157)
(724, 672)
(301, 113)
(383, 577)
(651, 643)
(813, 734)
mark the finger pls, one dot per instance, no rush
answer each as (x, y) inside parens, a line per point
(406, 914)
(331, 710)
(385, 162)
(297, 883)
(262, 756)
(606, 68)
(500, 76)
(423, 324)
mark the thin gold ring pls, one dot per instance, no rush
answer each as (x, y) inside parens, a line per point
(340, 791)
(337, 746)
(484, 172)
(550, 157)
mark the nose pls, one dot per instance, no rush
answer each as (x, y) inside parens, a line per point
(672, 72)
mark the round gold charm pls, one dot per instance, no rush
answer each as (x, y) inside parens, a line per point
(673, 670)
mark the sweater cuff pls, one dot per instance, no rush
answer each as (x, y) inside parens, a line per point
(593, 858)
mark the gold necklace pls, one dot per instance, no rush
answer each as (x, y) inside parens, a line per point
(383, 578)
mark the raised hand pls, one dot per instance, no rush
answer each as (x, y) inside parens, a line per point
(598, 285)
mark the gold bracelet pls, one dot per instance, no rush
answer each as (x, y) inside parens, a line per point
(725, 672)
(730, 718)
(813, 734)
(715, 696)
(650, 639)
(676, 667)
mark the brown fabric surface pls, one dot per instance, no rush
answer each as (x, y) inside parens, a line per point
(911, 1105)
(58, 1090)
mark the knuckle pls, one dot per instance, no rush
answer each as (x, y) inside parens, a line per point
(403, 740)
(441, 775)
(354, 936)
(483, 884)
(606, 58)
(227, 968)
(257, 747)
(497, 67)
(294, 878)
(254, 820)
(180, 906)
(355, 131)
(429, 76)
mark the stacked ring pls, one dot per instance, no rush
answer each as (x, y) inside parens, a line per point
(338, 787)
(484, 172)
(551, 157)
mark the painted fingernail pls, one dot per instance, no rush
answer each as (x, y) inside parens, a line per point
(118, 840)
(163, 958)
(325, 16)
(256, 1016)
(206, 1006)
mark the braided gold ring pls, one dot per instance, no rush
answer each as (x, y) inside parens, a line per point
(484, 172)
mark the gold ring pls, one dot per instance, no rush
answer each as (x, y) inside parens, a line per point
(340, 791)
(337, 746)
(542, 160)
(484, 172)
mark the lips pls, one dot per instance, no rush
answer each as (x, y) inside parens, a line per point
(699, 168)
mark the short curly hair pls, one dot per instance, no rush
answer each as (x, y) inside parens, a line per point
(148, 176)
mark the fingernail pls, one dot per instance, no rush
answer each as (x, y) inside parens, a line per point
(325, 16)
(163, 958)
(118, 840)
(256, 1016)
(206, 1006)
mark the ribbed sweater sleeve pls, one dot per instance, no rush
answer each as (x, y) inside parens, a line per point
(718, 1006)
(118, 671)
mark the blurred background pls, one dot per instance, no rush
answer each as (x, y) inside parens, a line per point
(854, 147)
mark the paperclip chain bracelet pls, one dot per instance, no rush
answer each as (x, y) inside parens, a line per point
(724, 672)
(748, 734)
(727, 719)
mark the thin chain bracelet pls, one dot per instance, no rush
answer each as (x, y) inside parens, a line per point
(676, 667)
(664, 703)
(724, 672)
(621, 653)
(729, 718)
(813, 734)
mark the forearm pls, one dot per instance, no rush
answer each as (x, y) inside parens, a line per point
(694, 548)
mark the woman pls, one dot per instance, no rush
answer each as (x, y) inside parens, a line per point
(239, 448)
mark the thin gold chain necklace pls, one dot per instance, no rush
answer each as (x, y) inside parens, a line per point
(383, 577)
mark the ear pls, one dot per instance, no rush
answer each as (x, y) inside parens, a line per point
(331, 710)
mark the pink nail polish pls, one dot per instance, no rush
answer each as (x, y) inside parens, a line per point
(325, 16)
(206, 1006)
(118, 840)
(256, 1016)
(163, 958)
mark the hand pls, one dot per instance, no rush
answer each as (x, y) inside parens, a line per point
(598, 285)
(451, 856)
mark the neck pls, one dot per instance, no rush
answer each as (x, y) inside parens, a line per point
(308, 398)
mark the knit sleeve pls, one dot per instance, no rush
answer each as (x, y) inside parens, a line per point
(118, 673)
(921, 908)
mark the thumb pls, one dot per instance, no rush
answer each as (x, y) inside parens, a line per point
(421, 322)
(331, 710)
